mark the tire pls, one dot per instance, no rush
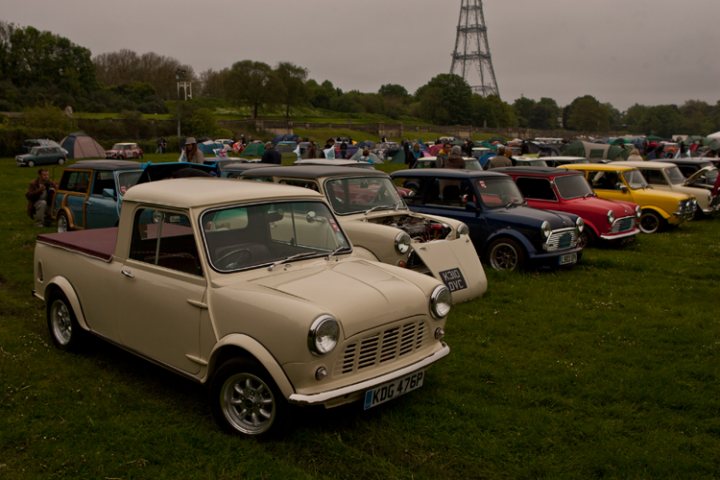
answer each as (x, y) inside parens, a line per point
(245, 400)
(61, 161)
(63, 224)
(505, 254)
(64, 329)
(30, 163)
(650, 222)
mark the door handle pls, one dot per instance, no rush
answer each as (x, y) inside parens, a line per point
(127, 272)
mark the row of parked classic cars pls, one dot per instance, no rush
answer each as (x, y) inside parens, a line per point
(330, 293)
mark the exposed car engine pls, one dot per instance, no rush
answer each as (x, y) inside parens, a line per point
(419, 228)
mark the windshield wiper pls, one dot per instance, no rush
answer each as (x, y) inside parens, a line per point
(336, 251)
(291, 258)
(379, 207)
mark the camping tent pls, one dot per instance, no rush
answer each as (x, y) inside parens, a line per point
(714, 136)
(594, 151)
(82, 145)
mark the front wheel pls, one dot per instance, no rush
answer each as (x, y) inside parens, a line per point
(64, 329)
(30, 163)
(650, 221)
(244, 399)
(505, 254)
(61, 161)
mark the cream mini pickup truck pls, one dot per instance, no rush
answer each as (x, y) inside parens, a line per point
(252, 289)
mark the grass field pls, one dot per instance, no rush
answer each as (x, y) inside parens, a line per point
(608, 370)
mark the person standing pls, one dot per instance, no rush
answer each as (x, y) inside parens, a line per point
(191, 153)
(312, 149)
(455, 159)
(40, 195)
(271, 155)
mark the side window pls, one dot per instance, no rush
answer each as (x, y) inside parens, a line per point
(301, 183)
(102, 181)
(536, 188)
(409, 190)
(654, 177)
(75, 181)
(165, 239)
(604, 180)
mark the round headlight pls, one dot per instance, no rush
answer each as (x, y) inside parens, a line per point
(580, 224)
(402, 242)
(546, 229)
(440, 302)
(323, 335)
(610, 217)
(463, 229)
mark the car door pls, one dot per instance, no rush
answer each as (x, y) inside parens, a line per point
(102, 204)
(164, 279)
(608, 184)
(75, 187)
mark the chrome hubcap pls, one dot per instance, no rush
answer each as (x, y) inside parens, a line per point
(61, 322)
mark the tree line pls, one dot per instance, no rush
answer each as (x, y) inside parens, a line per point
(40, 68)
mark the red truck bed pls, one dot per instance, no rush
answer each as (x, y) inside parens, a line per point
(98, 242)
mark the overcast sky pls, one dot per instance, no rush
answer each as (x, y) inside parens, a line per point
(623, 52)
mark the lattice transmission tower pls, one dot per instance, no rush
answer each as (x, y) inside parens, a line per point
(471, 58)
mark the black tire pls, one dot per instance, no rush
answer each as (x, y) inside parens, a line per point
(63, 224)
(245, 400)
(505, 254)
(65, 332)
(61, 161)
(650, 221)
(30, 163)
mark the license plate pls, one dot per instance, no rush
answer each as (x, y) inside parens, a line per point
(453, 279)
(568, 258)
(391, 390)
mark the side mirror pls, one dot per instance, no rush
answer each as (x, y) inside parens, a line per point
(622, 187)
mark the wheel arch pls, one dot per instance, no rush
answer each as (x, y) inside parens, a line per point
(660, 211)
(512, 234)
(63, 285)
(239, 345)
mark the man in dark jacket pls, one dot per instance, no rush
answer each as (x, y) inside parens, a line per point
(39, 195)
(271, 155)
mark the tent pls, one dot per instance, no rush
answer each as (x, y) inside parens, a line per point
(82, 145)
(714, 136)
(594, 151)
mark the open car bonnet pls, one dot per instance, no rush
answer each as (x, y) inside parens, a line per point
(695, 176)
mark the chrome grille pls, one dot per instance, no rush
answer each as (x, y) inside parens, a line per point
(623, 224)
(381, 347)
(561, 239)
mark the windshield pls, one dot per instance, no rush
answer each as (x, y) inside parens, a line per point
(242, 237)
(635, 179)
(573, 186)
(127, 180)
(498, 192)
(361, 194)
(675, 176)
(473, 164)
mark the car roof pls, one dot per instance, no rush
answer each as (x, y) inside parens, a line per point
(314, 171)
(539, 171)
(106, 164)
(201, 192)
(447, 173)
(644, 164)
(604, 167)
(687, 161)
